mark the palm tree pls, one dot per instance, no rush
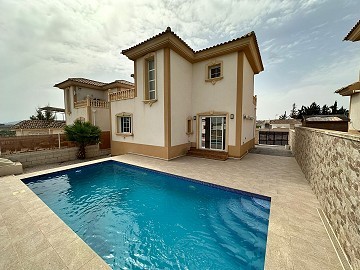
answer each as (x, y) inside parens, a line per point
(83, 133)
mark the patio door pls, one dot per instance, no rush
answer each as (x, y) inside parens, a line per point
(212, 132)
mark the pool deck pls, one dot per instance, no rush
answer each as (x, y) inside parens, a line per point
(33, 237)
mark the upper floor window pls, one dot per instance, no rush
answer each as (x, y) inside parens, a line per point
(214, 71)
(150, 78)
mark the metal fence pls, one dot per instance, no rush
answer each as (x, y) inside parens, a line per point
(273, 137)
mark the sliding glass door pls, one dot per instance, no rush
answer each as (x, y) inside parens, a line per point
(213, 131)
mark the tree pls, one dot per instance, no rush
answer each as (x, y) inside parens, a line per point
(43, 115)
(293, 112)
(283, 116)
(83, 133)
(325, 110)
(313, 109)
(334, 109)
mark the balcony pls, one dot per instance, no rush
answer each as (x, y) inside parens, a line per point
(122, 94)
(94, 103)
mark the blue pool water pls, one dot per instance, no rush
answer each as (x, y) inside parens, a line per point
(136, 218)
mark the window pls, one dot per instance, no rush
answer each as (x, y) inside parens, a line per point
(150, 79)
(81, 119)
(124, 123)
(214, 71)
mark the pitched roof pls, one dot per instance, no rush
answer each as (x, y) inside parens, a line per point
(285, 121)
(164, 39)
(168, 30)
(354, 34)
(39, 124)
(325, 118)
(90, 83)
(349, 89)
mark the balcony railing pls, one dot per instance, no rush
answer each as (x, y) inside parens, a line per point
(95, 103)
(122, 94)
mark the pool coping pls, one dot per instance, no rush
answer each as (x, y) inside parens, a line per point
(95, 262)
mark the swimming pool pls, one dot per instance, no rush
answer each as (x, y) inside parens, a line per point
(136, 218)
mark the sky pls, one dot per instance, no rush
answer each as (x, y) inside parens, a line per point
(45, 42)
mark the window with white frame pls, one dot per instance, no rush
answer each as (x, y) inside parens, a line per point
(124, 123)
(151, 79)
(214, 71)
(150, 95)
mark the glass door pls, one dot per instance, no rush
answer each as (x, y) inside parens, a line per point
(213, 131)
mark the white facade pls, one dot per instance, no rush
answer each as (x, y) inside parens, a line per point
(204, 99)
(354, 112)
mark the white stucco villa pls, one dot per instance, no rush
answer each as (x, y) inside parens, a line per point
(353, 90)
(87, 100)
(184, 98)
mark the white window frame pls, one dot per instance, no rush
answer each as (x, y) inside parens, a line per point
(120, 124)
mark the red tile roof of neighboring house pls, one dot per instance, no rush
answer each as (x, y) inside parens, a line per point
(325, 118)
(352, 31)
(96, 84)
(39, 124)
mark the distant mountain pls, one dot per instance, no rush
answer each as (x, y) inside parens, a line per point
(11, 123)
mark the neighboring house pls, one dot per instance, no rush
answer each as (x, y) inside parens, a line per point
(353, 90)
(331, 122)
(183, 98)
(87, 100)
(39, 127)
(285, 124)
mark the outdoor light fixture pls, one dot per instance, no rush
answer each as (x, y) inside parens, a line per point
(231, 116)
(194, 117)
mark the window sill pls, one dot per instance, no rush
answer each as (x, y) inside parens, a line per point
(214, 80)
(149, 101)
(125, 134)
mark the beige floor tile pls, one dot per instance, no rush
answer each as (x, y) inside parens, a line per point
(76, 254)
(31, 245)
(9, 258)
(61, 236)
(96, 264)
(49, 223)
(47, 259)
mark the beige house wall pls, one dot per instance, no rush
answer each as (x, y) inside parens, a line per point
(248, 107)
(181, 102)
(218, 97)
(148, 121)
(354, 112)
(101, 118)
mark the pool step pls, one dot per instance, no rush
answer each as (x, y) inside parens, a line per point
(210, 154)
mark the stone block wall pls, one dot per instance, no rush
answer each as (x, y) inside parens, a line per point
(30, 159)
(330, 161)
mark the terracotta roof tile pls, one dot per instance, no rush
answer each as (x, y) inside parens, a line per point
(87, 81)
(352, 30)
(39, 124)
(92, 82)
(168, 30)
(285, 121)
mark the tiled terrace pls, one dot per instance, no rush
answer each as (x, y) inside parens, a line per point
(33, 237)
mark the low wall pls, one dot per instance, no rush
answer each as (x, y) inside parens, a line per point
(330, 161)
(30, 159)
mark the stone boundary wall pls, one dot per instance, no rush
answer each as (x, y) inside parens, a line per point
(330, 161)
(30, 159)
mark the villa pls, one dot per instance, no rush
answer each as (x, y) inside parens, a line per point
(353, 90)
(86, 100)
(185, 98)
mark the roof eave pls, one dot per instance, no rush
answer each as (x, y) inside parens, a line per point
(69, 82)
(349, 89)
(354, 34)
